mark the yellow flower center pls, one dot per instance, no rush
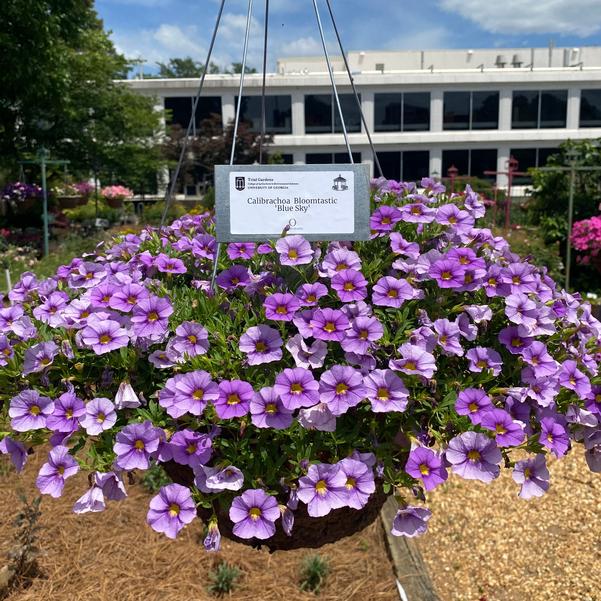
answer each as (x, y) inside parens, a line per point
(482, 364)
(235, 281)
(330, 327)
(363, 334)
(198, 394)
(321, 488)
(292, 254)
(383, 394)
(341, 388)
(106, 298)
(45, 361)
(104, 339)
(282, 310)
(35, 410)
(411, 365)
(69, 413)
(348, 286)
(416, 210)
(233, 399)
(139, 444)
(260, 347)
(473, 455)
(191, 448)
(271, 408)
(60, 469)
(100, 418)
(473, 407)
(296, 388)
(527, 473)
(153, 316)
(131, 300)
(500, 429)
(452, 219)
(516, 342)
(463, 260)
(351, 483)
(392, 293)
(174, 510)
(311, 298)
(84, 314)
(468, 278)
(386, 220)
(341, 266)
(254, 513)
(192, 339)
(424, 469)
(446, 275)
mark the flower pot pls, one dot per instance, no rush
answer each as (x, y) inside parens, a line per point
(114, 203)
(307, 533)
(22, 207)
(70, 202)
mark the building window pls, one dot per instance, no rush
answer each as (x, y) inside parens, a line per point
(321, 114)
(410, 165)
(471, 110)
(590, 108)
(533, 109)
(330, 158)
(179, 110)
(278, 113)
(530, 158)
(470, 163)
(402, 112)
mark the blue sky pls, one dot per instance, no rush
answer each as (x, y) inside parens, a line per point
(159, 29)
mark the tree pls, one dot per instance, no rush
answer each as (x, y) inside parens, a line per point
(177, 68)
(58, 88)
(237, 68)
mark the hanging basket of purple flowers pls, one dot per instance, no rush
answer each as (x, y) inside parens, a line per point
(314, 382)
(21, 197)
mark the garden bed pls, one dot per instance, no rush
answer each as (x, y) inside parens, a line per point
(114, 555)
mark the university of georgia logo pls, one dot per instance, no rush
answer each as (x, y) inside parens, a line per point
(240, 183)
(339, 184)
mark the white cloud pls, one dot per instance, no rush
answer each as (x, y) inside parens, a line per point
(576, 17)
(301, 47)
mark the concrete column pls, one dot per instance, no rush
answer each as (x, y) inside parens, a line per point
(503, 153)
(436, 162)
(367, 105)
(436, 110)
(228, 108)
(298, 114)
(573, 116)
(299, 157)
(505, 108)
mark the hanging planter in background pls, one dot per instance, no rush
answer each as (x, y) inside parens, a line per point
(115, 195)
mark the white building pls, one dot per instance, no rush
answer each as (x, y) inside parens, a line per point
(426, 110)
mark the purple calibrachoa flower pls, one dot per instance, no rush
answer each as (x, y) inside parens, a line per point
(350, 285)
(241, 250)
(411, 521)
(362, 333)
(537, 356)
(212, 541)
(319, 417)
(29, 411)
(111, 485)
(340, 259)
(16, 450)
(297, 388)
(170, 265)
(127, 296)
(218, 479)
(572, 378)
(400, 246)
(392, 292)
(190, 448)
(67, 411)
(515, 339)
(150, 317)
(254, 514)
(135, 444)
(91, 502)
(100, 415)
(50, 311)
(191, 339)
(322, 489)
(294, 250)
(309, 294)
(171, 510)
(474, 456)
(508, 433)
(521, 310)
(6, 350)
(236, 276)
(384, 218)
(126, 398)
(482, 358)
(341, 388)
(281, 306)
(385, 391)
(415, 361)
(268, 411)
(426, 465)
(234, 399)
(473, 402)
(359, 484)
(104, 336)
(261, 344)
(447, 273)
(554, 436)
(448, 337)
(52, 475)
(533, 475)
(305, 355)
(329, 324)
(39, 356)
(191, 393)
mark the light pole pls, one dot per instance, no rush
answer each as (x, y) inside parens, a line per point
(572, 158)
(452, 172)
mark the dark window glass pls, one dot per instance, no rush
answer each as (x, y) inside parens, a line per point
(544, 154)
(179, 111)
(388, 110)
(525, 110)
(351, 113)
(456, 110)
(318, 114)
(590, 108)
(526, 158)
(318, 158)
(416, 111)
(278, 113)
(206, 107)
(458, 158)
(287, 159)
(553, 108)
(416, 164)
(481, 161)
(391, 165)
(485, 110)
(342, 157)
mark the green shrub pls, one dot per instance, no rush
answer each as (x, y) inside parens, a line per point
(154, 212)
(154, 478)
(87, 212)
(314, 571)
(223, 579)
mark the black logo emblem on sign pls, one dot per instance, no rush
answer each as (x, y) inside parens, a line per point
(240, 183)
(340, 184)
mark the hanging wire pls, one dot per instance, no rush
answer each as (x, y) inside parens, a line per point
(352, 80)
(332, 79)
(263, 107)
(173, 183)
(236, 123)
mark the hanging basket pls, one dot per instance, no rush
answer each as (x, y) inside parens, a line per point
(24, 206)
(307, 533)
(114, 203)
(70, 202)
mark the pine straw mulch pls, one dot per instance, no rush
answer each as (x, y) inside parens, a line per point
(486, 544)
(113, 555)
